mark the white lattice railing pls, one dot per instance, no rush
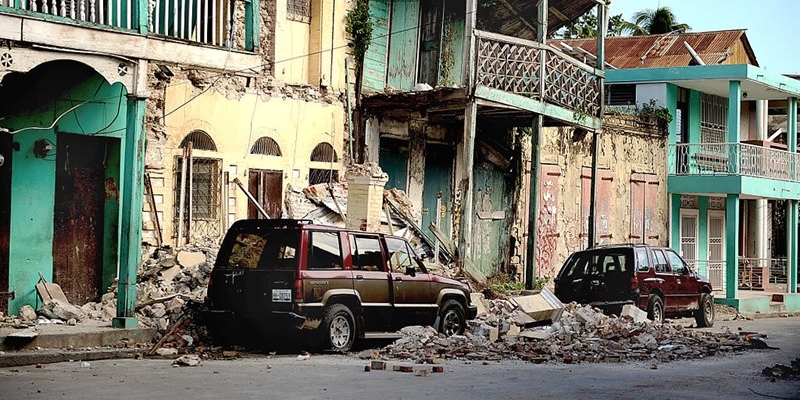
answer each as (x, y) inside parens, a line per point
(518, 66)
(733, 159)
(209, 22)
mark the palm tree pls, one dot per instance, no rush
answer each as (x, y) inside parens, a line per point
(653, 22)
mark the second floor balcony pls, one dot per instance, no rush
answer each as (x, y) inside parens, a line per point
(733, 168)
(225, 24)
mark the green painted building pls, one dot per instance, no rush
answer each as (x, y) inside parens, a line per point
(734, 183)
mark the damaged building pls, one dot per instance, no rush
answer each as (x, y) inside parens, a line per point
(119, 127)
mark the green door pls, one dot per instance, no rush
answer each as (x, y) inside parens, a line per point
(438, 175)
(491, 218)
(393, 160)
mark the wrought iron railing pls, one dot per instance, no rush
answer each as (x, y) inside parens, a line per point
(519, 66)
(733, 159)
(210, 22)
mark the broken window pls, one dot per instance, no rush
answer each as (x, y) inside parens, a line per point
(298, 10)
(324, 251)
(200, 198)
(269, 250)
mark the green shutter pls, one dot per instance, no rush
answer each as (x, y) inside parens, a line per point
(374, 76)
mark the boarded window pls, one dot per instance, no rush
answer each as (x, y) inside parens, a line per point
(298, 10)
(644, 209)
(603, 209)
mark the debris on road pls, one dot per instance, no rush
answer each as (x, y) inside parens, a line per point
(188, 360)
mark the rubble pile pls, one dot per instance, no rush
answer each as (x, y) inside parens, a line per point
(581, 334)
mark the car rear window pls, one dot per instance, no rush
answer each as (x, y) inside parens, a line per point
(605, 261)
(271, 249)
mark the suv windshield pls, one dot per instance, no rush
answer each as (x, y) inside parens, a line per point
(271, 249)
(595, 262)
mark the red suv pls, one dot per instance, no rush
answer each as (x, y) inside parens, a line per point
(292, 277)
(656, 279)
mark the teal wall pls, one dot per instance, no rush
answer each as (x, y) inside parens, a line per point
(33, 179)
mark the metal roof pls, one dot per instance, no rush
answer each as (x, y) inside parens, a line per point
(667, 50)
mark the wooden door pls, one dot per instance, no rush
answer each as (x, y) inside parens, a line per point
(267, 187)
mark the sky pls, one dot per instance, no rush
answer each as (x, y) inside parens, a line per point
(773, 26)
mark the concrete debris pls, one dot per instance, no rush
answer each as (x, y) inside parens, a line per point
(580, 334)
(27, 313)
(634, 313)
(781, 371)
(188, 360)
(543, 306)
(64, 311)
(167, 351)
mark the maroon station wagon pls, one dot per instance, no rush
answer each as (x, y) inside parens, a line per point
(293, 278)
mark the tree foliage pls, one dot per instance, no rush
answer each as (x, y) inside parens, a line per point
(654, 22)
(586, 27)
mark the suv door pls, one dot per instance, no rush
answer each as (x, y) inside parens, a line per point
(412, 295)
(371, 279)
(666, 280)
(687, 296)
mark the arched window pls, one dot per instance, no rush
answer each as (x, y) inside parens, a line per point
(200, 141)
(267, 146)
(324, 152)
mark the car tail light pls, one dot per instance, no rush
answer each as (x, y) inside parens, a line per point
(298, 290)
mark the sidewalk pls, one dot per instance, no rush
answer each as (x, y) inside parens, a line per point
(88, 340)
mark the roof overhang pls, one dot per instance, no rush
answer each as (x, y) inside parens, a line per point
(757, 83)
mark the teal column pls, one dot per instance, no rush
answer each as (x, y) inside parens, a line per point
(791, 245)
(252, 27)
(131, 215)
(675, 228)
(791, 215)
(672, 106)
(732, 246)
(694, 117)
(140, 16)
(734, 110)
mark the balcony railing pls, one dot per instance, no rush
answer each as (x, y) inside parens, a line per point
(209, 22)
(733, 159)
(519, 66)
(768, 274)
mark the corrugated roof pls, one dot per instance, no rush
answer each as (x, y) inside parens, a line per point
(517, 18)
(667, 50)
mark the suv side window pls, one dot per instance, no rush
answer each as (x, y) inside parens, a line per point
(678, 266)
(324, 251)
(400, 255)
(642, 260)
(366, 253)
(662, 266)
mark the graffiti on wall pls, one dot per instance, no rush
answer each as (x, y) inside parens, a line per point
(547, 222)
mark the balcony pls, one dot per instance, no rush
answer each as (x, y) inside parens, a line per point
(733, 159)
(207, 22)
(539, 72)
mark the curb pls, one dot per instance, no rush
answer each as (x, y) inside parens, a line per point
(24, 357)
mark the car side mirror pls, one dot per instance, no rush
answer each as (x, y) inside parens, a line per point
(410, 270)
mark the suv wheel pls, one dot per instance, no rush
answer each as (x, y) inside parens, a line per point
(339, 328)
(655, 309)
(704, 316)
(452, 320)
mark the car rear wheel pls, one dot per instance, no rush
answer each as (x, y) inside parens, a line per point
(452, 320)
(655, 309)
(704, 316)
(339, 328)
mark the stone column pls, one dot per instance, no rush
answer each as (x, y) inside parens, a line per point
(365, 197)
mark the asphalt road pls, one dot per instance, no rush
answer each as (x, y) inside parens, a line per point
(734, 376)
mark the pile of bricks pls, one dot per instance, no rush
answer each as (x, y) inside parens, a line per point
(582, 334)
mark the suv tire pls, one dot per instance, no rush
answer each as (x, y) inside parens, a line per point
(655, 308)
(452, 319)
(338, 328)
(704, 316)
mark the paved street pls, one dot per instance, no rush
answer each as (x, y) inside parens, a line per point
(736, 376)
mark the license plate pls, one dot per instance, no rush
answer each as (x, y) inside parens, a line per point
(282, 295)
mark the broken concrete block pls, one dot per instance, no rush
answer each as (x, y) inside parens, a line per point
(541, 307)
(437, 369)
(168, 274)
(634, 313)
(477, 301)
(494, 334)
(535, 334)
(190, 259)
(378, 365)
(61, 310)
(421, 372)
(190, 360)
(166, 351)
(587, 316)
(513, 330)
(27, 313)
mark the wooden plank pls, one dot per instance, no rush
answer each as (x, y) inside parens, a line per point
(374, 74)
(402, 67)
